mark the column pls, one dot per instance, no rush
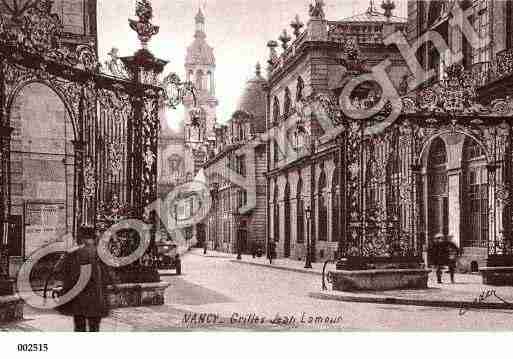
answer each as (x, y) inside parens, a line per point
(5, 139)
(454, 211)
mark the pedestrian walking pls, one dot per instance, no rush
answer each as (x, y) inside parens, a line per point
(178, 264)
(91, 304)
(271, 252)
(445, 253)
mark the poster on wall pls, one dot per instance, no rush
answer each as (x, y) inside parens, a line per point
(45, 224)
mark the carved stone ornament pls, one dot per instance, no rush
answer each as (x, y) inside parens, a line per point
(316, 10)
(115, 66)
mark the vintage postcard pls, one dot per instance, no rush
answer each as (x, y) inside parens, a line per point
(239, 165)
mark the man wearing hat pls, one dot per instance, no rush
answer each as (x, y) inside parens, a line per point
(91, 304)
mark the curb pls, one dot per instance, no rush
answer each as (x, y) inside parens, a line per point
(297, 270)
(168, 273)
(464, 305)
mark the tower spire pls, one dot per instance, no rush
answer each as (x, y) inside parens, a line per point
(200, 23)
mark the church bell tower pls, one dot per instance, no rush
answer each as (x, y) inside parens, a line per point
(200, 65)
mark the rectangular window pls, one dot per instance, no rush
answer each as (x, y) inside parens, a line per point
(480, 20)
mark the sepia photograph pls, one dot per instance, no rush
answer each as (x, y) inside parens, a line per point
(270, 166)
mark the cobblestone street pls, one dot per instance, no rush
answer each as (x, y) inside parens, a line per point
(216, 293)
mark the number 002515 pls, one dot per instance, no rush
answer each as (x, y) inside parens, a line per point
(32, 347)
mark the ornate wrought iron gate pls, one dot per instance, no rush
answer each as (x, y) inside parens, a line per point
(115, 121)
(385, 218)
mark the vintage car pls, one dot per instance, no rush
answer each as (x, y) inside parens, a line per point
(167, 256)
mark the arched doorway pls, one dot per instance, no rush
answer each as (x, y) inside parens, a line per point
(300, 217)
(336, 231)
(438, 191)
(322, 209)
(287, 246)
(276, 214)
(42, 168)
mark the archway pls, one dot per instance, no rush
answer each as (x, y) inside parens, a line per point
(42, 169)
(437, 192)
(457, 194)
(287, 240)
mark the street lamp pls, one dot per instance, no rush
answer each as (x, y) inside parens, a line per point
(308, 263)
(237, 216)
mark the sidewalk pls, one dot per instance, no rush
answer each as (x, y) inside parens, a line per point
(280, 264)
(468, 292)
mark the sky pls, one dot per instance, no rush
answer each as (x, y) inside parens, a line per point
(237, 29)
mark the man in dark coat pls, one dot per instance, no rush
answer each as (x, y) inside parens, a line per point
(445, 253)
(91, 304)
(271, 252)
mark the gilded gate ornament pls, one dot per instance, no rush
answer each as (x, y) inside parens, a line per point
(89, 180)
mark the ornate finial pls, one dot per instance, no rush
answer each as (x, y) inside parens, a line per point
(388, 6)
(317, 10)
(371, 9)
(258, 69)
(45, 6)
(297, 25)
(285, 39)
(144, 28)
(273, 56)
(200, 16)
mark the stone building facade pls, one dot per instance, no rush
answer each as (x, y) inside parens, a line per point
(461, 176)
(236, 174)
(304, 171)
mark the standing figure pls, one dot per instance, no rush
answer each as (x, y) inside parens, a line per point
(444, 253)
(271, 252)
(91, 304)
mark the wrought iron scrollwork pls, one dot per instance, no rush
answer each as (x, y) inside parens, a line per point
(39, 31)
(175, 91)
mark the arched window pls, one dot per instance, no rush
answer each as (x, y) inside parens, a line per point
(276, 214)
(276, 110)
(241, 131)
(300, 216)
(438, 154)
(335, 207)
(322, 208)
(299, 90)
(276, 153)
(208, 81)
(288, 103)
(199, 80)
(475, 195)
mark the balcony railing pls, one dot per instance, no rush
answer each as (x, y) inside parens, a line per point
(486, 72)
